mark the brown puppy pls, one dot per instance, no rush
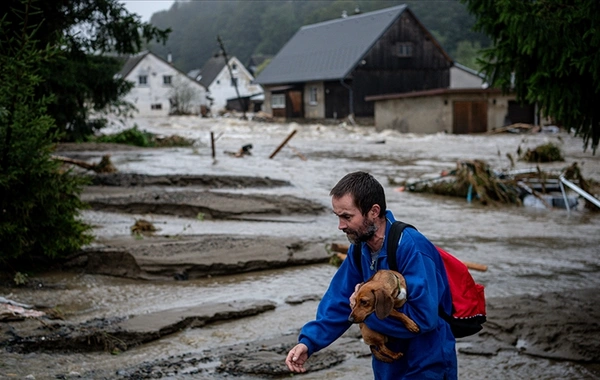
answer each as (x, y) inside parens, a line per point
(379, 295)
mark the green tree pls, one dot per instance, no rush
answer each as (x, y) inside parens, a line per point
(39, 203)
(548, 52)
(92, 34)
(468, 53)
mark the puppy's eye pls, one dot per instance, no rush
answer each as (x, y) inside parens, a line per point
(364, 302)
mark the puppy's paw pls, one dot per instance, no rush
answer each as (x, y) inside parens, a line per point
(412, 326)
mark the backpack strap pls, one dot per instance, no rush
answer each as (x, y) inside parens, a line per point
(393, 237)
(356, 253)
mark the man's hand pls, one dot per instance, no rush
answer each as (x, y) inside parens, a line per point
(353, 296)
(297, 357)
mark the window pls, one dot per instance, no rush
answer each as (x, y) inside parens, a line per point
(156, 106)
(278, 101)
(234, 82)
(234, 67)
(312, 96)
(404, 49)
(167, 79)
(143, 80)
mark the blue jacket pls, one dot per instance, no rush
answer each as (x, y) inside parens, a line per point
(429, 354)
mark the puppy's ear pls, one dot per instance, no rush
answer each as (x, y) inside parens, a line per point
(383, 303)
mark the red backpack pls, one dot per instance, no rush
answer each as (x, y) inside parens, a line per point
(468, 299)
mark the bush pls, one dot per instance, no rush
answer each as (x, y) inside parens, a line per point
(131, 136)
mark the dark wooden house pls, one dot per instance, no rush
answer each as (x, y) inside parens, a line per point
(326, 70)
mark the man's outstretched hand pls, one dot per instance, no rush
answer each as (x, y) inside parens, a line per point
(297, 357)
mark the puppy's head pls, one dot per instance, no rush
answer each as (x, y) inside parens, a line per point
(371, 299)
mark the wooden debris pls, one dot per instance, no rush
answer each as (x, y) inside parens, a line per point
(104, 166)
(142, 227)
(514, 127)
(283, 144)
(342, 248)
(302, 157)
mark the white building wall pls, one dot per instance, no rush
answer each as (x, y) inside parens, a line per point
(152, 98)
(222, 89)
(460, 78)
(314, 110)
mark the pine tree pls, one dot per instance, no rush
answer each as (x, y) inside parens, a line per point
(39, 203)
(547, 51)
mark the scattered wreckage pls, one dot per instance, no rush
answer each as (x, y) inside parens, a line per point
(476, 180)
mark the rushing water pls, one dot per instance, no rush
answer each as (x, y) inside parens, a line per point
(528, 251)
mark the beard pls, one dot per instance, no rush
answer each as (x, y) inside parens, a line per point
(366, 232)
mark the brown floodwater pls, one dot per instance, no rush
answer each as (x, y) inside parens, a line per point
(527, 250)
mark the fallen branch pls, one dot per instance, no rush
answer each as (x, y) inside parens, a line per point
(104, 166)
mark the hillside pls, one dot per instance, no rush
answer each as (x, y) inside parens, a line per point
(263, 27)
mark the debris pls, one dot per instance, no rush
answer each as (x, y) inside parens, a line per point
(244, 151)
(15, 311)
(471, 179)
(104, 166)
(579, 191)
(302, 157)
(543, 153)
(212, 144)
(283, 143)
(515, 128)
(530, 187)
(142, 227)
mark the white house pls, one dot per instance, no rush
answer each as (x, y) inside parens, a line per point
(160, 89)
(215, 76)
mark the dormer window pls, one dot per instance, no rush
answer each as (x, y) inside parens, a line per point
(404, 49)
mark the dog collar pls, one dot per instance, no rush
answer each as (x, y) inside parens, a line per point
(401, 291)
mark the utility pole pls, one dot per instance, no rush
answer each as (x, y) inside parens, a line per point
(242, 103)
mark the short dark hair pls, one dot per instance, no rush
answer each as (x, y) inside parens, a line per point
(364, 189)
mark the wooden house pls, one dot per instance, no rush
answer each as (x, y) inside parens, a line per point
(220, 82)
(160, 89)
(326, 70)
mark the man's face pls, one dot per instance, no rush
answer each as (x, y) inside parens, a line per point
(357, 227)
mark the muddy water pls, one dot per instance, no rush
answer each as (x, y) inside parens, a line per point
(528, 251)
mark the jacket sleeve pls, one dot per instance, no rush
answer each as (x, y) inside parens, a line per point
(334, 309)
(416, 258)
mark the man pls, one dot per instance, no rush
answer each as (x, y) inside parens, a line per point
(358, 201)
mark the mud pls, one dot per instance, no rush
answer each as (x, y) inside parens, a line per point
(191, 257)
(239, 261)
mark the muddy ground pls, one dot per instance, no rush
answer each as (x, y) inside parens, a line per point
(551, 334)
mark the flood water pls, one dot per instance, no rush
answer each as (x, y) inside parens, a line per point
(528, 251)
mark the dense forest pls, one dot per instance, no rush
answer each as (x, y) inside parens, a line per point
(250, 28)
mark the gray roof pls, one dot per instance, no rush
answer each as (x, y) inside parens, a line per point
(211, 69)
(328, 50)
(131, 63)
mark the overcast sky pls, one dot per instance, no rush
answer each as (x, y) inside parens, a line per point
(145, 8)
